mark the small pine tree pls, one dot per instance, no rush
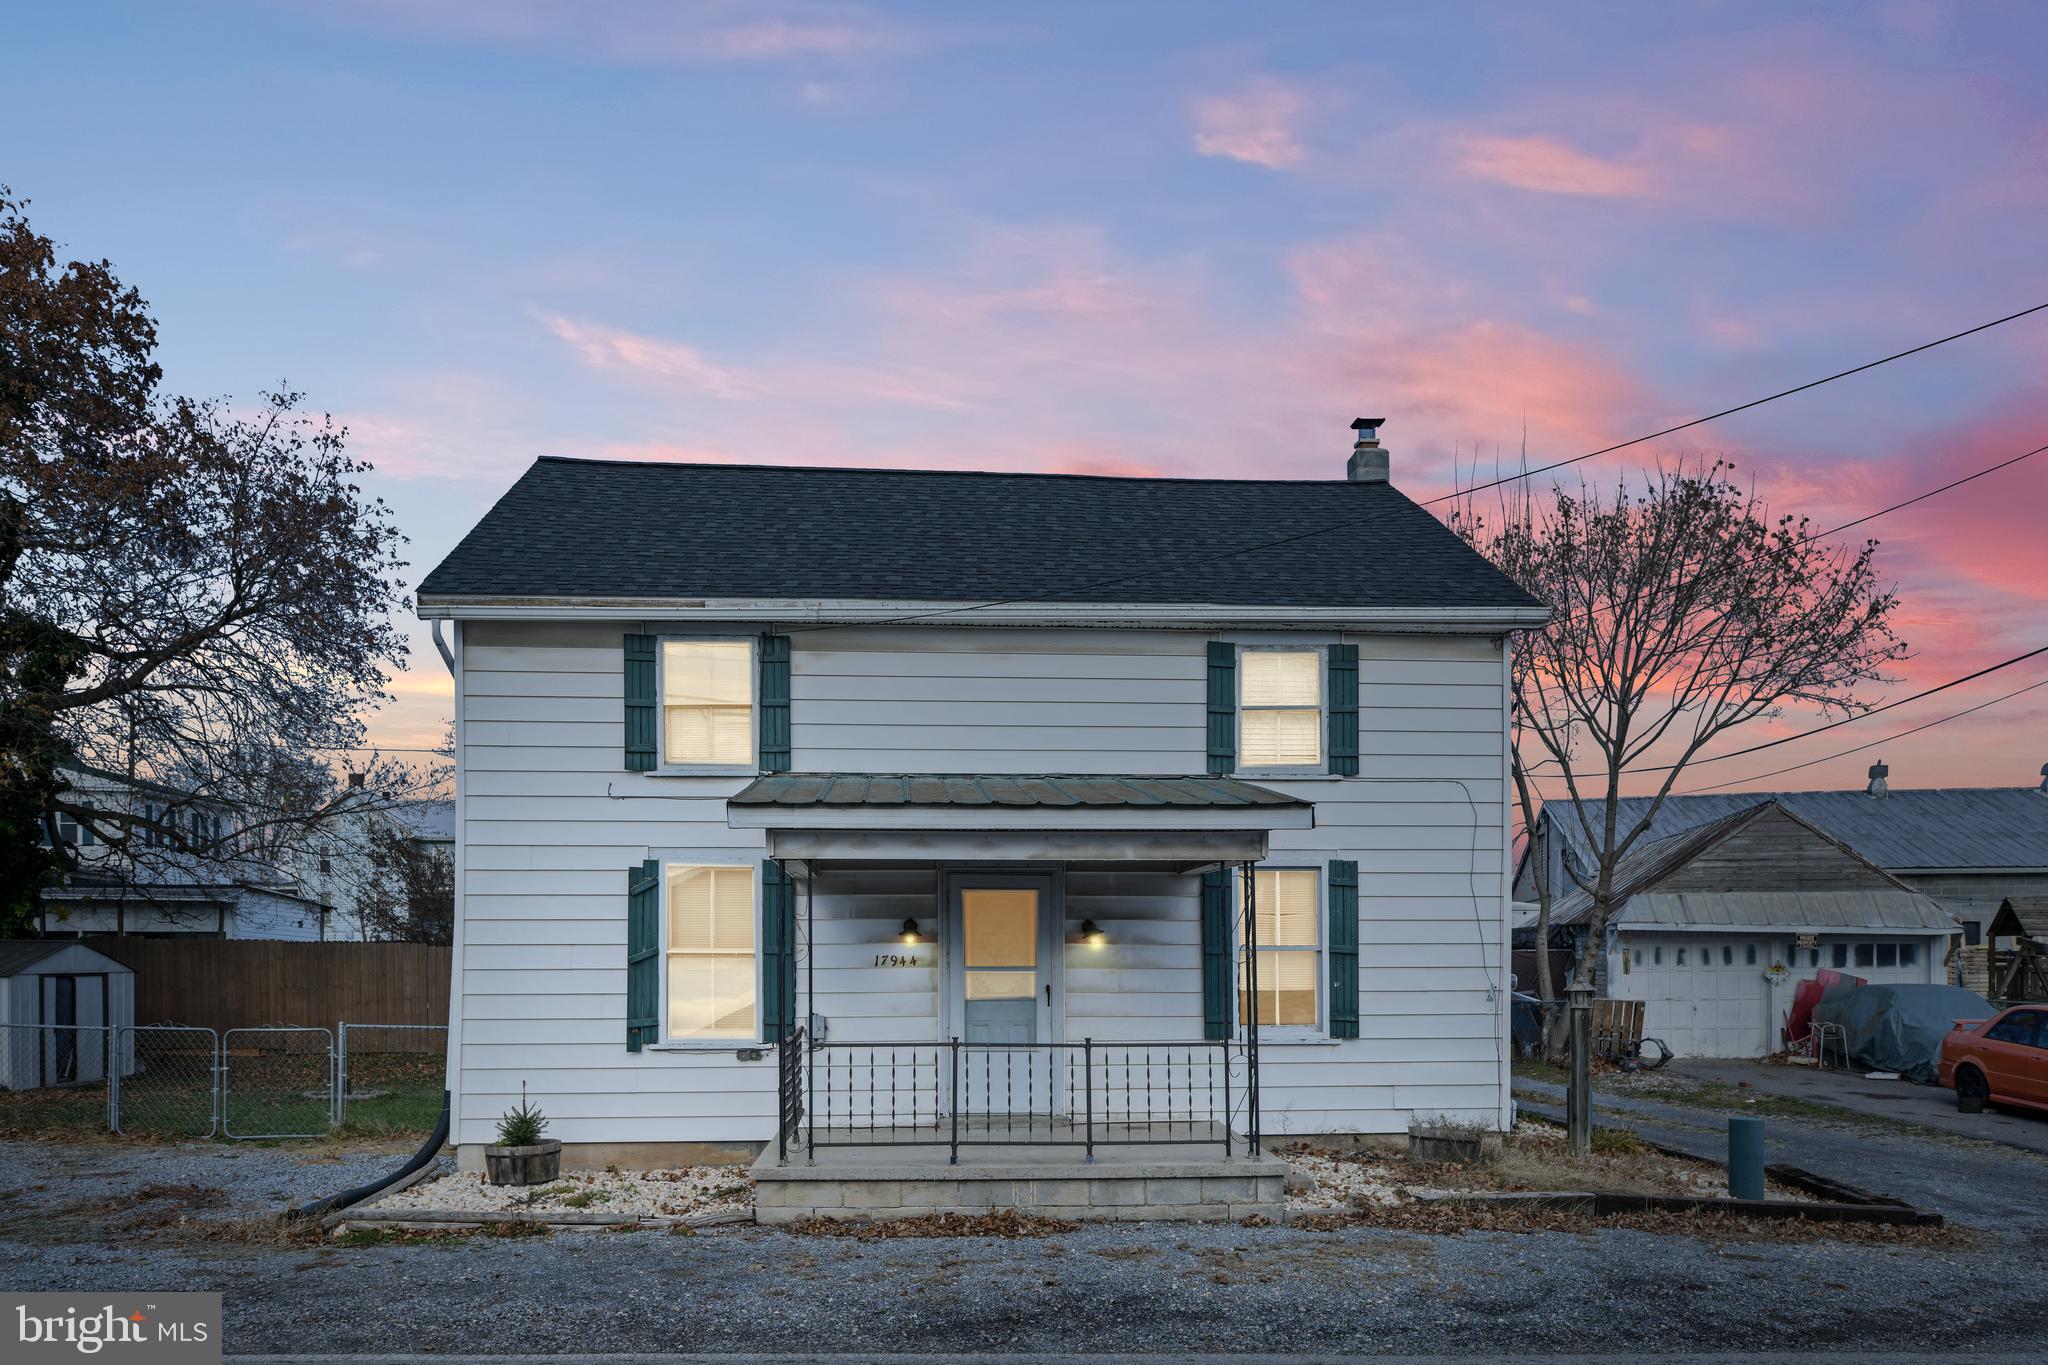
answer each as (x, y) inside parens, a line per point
(523, 1126)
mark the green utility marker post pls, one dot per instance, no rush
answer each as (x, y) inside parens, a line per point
(1746, 1157)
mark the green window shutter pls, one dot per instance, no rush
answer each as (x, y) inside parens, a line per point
(1222, 706)
(640, 704)
(778, 956)
(1343, 949)
(1216, 954)
(774, 703)
(1344, 710)
(643, 955)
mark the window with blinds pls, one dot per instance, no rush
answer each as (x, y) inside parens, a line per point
(711, 977)
(1289, 951)
(1280, 708)
(707, 703)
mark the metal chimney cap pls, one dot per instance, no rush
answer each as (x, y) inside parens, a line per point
(1878, 773)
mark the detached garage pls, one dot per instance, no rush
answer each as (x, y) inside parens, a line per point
(1713, 927)
(61, 1008)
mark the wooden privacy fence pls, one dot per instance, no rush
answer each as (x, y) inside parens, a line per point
(236, 983)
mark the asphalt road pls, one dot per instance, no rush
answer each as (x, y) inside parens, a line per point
(1170, 1290)
(1929, 1106)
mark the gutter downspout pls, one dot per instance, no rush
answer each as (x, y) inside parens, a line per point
(450, 656)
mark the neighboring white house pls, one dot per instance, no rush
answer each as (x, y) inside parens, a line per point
(160, 890)
(897, 757)
(1713, 927)
(334, 859)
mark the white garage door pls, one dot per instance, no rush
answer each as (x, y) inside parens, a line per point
(1703, 997)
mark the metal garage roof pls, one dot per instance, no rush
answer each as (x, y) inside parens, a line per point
(1786, 911)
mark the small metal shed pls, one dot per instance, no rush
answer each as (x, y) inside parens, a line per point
(63, 1007)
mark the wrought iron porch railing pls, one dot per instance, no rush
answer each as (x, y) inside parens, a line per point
(958, 1094)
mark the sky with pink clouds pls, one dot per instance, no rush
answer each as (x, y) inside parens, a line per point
(1171, 238)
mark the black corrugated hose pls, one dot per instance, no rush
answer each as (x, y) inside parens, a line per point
(435, 1141)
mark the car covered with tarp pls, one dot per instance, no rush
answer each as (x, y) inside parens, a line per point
(1899, 1028)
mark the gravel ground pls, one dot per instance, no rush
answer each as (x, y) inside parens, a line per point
(671, 1192)
(1102, 1288)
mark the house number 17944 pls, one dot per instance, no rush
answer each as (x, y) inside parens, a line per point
(895, 960)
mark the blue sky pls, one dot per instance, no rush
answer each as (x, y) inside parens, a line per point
(1173, 238)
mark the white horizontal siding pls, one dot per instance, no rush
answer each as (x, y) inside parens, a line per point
(954, 701)
(551, 822)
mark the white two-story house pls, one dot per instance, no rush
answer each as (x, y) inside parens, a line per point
(1010, 801)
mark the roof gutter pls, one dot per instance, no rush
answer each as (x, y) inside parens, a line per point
(827, 612)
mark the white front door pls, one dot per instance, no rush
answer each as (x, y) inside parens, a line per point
(1003, 941)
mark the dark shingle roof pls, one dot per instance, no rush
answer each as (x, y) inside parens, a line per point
(603, 528)
(955, 789)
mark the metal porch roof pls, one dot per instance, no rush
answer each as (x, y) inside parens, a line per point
(1054, 790)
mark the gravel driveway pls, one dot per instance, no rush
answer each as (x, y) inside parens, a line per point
(1105, 1288)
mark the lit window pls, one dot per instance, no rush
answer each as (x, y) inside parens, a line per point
(710, 952)
(707, 702)
(1281, 707)
(1288, 955)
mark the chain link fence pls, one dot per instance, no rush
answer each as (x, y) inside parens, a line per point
(53, 1078)
(172, 1081)
(389, 1077)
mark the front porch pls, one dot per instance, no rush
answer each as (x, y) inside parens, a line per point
(1019, 995)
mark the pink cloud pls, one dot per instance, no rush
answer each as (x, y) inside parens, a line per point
(1548, 165)
(1259, 123)
(648, 358)
(651, 32)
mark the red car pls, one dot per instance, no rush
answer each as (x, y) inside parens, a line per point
(2000, 1060)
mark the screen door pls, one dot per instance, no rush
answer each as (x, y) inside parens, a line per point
(1002, 992)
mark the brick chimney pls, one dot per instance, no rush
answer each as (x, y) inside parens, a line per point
(1878, 773)
(1368, 459)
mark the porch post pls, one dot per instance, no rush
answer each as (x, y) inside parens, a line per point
(810, 1015)
(1251, 1030)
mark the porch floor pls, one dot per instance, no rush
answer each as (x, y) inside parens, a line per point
(908, 1172)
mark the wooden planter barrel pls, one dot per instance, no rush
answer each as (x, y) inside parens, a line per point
(535, 1165)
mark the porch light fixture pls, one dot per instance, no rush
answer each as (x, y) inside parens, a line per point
(1092, 935)
(910, 933)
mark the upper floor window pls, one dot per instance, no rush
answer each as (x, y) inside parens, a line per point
(707, 703)
(1280, 705)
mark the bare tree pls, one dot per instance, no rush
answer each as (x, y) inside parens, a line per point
(411, 895)
(190, 591)
(1681, 610)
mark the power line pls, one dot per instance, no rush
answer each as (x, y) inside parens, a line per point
(1942, 720)
(1513, 478)
(1831, 725)
(1744, 407)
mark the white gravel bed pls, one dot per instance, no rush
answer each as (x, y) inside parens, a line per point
(668, 1193)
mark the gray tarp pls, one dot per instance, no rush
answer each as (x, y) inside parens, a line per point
(1899, 1028)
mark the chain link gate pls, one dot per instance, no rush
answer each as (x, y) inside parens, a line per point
(53, 1077)
(276, 1082)
(389, 1077)
(169, 1082)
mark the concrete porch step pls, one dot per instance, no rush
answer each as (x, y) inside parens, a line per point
(902, 1180)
